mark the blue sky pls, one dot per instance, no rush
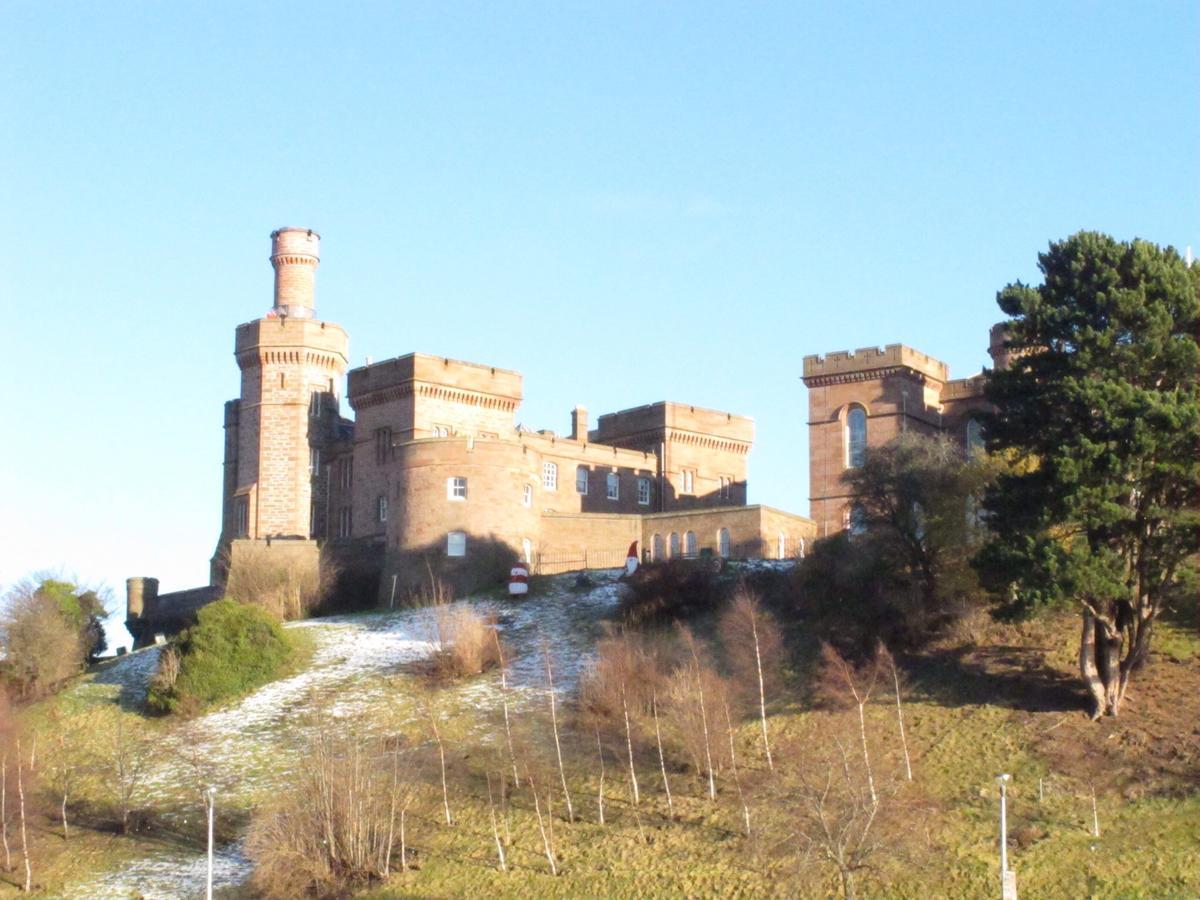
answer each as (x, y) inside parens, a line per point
(625, 202)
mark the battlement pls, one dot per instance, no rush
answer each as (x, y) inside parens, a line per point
(962, 388)
(403, 372)
(867, 359)
(291, 340)
(667, 415)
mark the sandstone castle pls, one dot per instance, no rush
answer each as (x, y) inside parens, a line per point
(434, 476)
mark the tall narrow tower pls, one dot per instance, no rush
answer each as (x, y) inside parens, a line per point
(276, 432)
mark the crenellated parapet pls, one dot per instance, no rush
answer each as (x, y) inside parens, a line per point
(866, 363)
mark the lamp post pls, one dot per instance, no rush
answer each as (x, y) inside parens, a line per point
(1008, 879)
(210, 800)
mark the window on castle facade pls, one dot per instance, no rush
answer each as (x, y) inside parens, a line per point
(723, 542)
(643, 491)
(345, 467)
(441, 431)
(581, 479)
(674, 544)
(688, 478)
(314, 461)
(781, 546)
(527, 495)
(974, 437)
(856, 520)
(456, 543)
(383, 445)
(381, 507)
(344, 522)
(856, 437)
(241, 516)
(689, 544)
(613, 486)
(456, 488)
(726, 487)
(657, 549)
(550, 476)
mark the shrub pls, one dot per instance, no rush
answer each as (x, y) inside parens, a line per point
(233, 648)
(340, 823)
(668, 591)
(466, 641)
(287, 586)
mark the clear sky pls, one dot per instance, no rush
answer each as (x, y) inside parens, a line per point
(625, 202)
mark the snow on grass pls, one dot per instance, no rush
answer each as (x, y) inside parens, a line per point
(261, 738)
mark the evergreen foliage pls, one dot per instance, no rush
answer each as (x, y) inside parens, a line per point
(1098, 417)
(233, 648)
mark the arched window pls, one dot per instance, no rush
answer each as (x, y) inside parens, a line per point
(581, 479)
(723, 542)
(527, 551)
(689, 544)
(657, 550)
(856, 437)
(674, 544)
(550, 476)
(781, 546)
(974, 437)
(801, 547)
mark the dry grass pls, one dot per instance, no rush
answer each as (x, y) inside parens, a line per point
(287, 587)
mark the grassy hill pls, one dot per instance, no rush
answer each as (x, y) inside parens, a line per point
(998, 699)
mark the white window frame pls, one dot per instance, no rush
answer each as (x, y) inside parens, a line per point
(690, 546)
(723, 542)
(456, 543)
(643, 491)
(456, 488)
(688, 477)
(381, 508)
(581, 480)
(550, 476)
(527, 496)
(612, 486)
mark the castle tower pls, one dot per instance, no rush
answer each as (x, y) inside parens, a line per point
(277, 431)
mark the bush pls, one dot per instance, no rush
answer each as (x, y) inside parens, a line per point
(233, 648)
(466, 641)
(42, 649)
(287, 586)
(675, 590)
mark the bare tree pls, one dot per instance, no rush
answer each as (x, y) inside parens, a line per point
(737, 781)
(600, 792)
(495, 830)
(662, 761)
(882, 653)
(4, 810)
(838, 677)
(512, 753)
(437, 736)
(546, 843)
(753, 645)
(562, 772)
(24, 835)
(629, 743)
(689, 641)
(125, 757)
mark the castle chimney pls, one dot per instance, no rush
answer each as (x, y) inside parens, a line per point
(579, 424)
(295, 256)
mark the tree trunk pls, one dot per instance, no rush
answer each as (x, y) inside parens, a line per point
(1104, 672)
(847, 883)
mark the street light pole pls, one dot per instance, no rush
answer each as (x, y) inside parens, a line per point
(210, 797)
(1008, 881)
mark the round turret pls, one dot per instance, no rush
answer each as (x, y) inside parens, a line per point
(295, 255)
(141, 595)
(1000, 354)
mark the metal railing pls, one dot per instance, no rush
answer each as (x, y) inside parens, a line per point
(557, 562)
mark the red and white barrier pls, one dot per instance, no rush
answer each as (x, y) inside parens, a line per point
(518, 580)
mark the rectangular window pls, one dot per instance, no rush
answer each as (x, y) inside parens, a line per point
(314, 461)
(643, 489)
(726, 487)
(527, 495)
(550, 476)
(344, 522)
(689, 481)
(581, 480)
(613, 486)
(456, 543)
(456, 488)
(381, 507)
(241, 515)
(383, 445)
